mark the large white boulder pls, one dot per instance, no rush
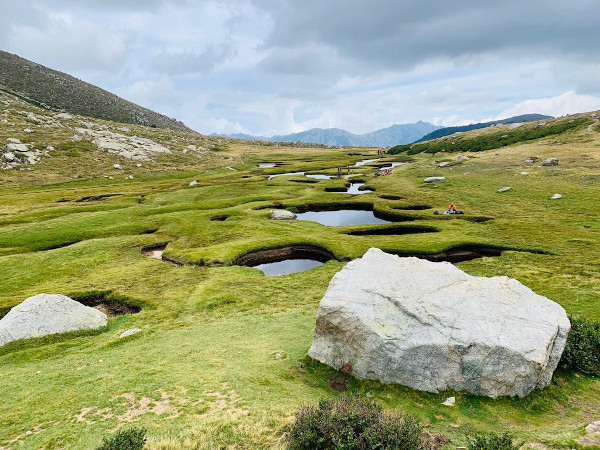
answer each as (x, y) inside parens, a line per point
(46, 314)
(432, 327)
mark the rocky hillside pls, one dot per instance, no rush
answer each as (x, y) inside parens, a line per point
(61, 92)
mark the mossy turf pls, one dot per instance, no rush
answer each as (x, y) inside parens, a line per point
(221, 359)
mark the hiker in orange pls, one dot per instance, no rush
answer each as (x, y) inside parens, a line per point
(451, 209)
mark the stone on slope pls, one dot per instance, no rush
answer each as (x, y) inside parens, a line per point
(504, 189)
(46, 314)
(282, 214)
(434, 179)
(550, 162)
(432, 327)
(17, 147)
(462, 158)
(444, 164)
(129, 332)
(556, 197)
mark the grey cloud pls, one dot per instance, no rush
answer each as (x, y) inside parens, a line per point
(189, 62)
(396, 34)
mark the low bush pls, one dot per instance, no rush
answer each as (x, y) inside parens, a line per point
(582, 352)
(130, 439)
(354, 423)
(493, 442)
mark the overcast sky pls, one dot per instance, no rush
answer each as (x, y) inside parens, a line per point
(279, 66)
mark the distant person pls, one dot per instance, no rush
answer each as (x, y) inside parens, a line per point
(452, 209)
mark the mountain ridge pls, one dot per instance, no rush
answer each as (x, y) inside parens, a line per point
(447, 131)
(384, 137)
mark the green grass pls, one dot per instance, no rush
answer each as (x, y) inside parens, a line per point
(221, 360)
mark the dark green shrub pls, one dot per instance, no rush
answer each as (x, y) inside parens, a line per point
(353, 423)
(493, 442)
(131, 439)
(582, 351)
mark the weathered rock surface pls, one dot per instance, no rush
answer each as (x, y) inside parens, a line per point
(462, 158)
(46, 314)
(556, 197)
(550, 162)
(444, 164)
(432, 327)
(434, 179)
(504, 189)
(282, 214)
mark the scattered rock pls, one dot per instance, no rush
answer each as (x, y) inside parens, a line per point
(528, 161)
(444, 164)
(593, 434)
(17, 147)
(434, 179)
(14, 140)
(27, 130)
(193, 183)
(432, 327)
(64, 116)
(50, 148)
(129, 332)
(76, 138)
(282, 214)
(550, 162)
(524, 173)
(131, 147)
(138, 165)
(118, 166)
(462, 158)
(46, 314)
(512, 126)
(450, 401)
(556, 197)
(504, 189)
(10, 157)
(130, 177)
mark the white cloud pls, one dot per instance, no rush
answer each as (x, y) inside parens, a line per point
(568, 103)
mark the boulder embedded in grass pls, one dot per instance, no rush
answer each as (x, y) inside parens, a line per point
(46, 314)
(282, 214)
(432, 327)
(434, 179)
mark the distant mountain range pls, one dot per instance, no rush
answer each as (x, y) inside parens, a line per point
(386, 137)
(441, 132)
(55, 90)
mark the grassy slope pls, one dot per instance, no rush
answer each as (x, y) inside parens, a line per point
(221, 358)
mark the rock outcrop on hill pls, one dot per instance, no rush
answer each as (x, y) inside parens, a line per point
(432, 327)
(46, 314)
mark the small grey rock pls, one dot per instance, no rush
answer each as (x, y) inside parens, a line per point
(193, 183)
(556, 197)
(118, 167)
(462, 158)
(129, 332)
(504, 189)
(434, 179)
(444, 164)
(550, 162)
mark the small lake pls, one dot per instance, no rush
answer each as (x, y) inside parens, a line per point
(366, 161)
(342, 218)
(288, 174)
(391, 166)
(288, 266)
(354, 189)
(320, 176)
